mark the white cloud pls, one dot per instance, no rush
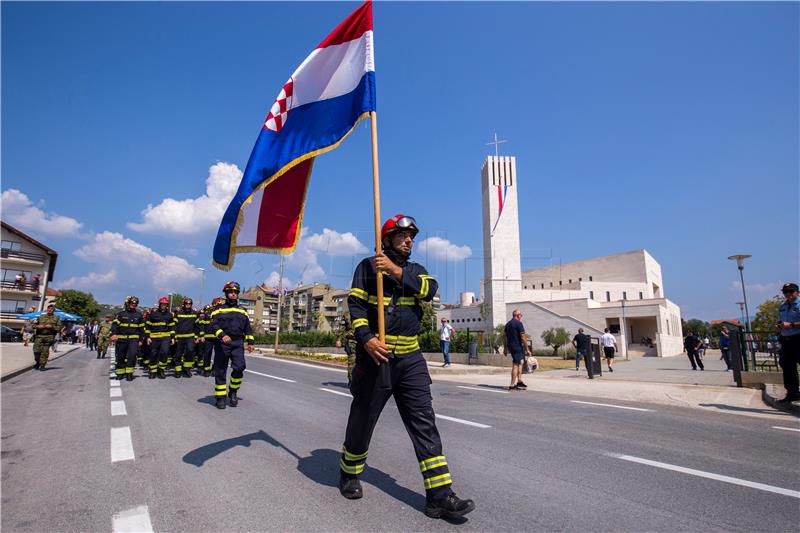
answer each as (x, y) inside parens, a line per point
(193, 215)
(273, 280)
(332, 242)
(18, 210)
(140, 267)
(768, 289)
(441, 249)
(89, 281)
(303, 263)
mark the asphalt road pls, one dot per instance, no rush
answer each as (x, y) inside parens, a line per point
(532, 461)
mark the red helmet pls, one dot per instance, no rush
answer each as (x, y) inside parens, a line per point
(398, 223)
(163, 300)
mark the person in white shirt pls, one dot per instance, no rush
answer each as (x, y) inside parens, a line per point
(609, 347)
(446, 335)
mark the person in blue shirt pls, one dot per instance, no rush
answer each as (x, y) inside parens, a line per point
(789, 326)
(725, 346)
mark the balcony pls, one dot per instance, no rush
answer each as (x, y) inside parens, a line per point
(20, 288)
(27, 257)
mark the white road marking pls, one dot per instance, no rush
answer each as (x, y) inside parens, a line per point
(133, 520)
(611, 405)
(121, 444)
(460, 421)
(709, 475)
(336, 392)
(115, 383)
(116, 393)
(483, 389)
(273, 377)
(786, 429)
(118, 408)
(319, 367)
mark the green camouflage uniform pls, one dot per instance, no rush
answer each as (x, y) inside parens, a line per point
(350, 349)
(103, 337)
(45, 329)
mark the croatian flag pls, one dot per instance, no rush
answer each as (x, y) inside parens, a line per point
(321, 103)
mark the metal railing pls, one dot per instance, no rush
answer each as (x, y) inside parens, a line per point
(24, 287)
(754, 351)
(28, 256)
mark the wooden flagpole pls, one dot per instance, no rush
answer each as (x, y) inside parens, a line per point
(376, 198)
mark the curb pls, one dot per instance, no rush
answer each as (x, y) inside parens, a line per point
(770, 400)
(309, 361)
(15, 373)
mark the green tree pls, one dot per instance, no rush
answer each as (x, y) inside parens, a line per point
(428, 322)
(78, 303)
(177, 299)
(767, 315)
(495, 338)
(698, 327)
(556, 338)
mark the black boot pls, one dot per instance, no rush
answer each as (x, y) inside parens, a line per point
(220, 402)
(234, 400)
(152, 374)
(36, 365)
(187, 372)
(161, 374)
(350, 487)
(177, 374)
(120, 377)
(450, 506)
(129, 377)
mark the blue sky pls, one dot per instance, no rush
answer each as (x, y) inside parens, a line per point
(666, 126)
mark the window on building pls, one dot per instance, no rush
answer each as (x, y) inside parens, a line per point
(591, 295)
(543, 285)
(668, 332)
(11, 275)
(580, 279)
(12, 306)
(570, 280)
(608, 296)
(526, 286)
(559, 283)
(624, 295)
(641, 296)
(14, 246)
(551, 283)
(590, 278)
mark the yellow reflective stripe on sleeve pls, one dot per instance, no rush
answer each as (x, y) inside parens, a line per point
(407, 300)
(160, 334)
(218, 332)
(187, 316)
(358, 322)
(353, 470)
(249, 338)
(359, 293)
(184, 335)
(437, 481)
(352, 456)
(230, 310)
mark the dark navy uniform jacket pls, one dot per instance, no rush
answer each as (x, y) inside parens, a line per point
(128, 325)
(233, 321)
(159, 325)
(402, 310)
(186, 324)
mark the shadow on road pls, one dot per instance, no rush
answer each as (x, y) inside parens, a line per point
(744, 409)
(321, 467)
(340, 384)
(210, 400)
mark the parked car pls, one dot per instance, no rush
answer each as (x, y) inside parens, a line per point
(9, 335)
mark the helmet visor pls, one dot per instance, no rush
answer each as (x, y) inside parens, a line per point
(406, 223)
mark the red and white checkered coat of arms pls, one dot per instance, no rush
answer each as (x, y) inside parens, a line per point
(280, 109)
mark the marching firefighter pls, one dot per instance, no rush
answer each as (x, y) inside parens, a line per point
(103, 336)
(127, 332)
(395, 367)
(144, 348)
(205, 342)
(160, 331)
(231, 326)
(44, 333)
(185, 336)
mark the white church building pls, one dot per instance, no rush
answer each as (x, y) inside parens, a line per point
(623, 292)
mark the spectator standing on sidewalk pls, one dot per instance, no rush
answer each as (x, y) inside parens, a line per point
(27, 331)
(581, 344)
(609, 344)
(691, 345)
(516, 343)
(446, 335)
(725, 346)
(789, 326)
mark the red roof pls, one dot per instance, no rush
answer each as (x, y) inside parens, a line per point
(52, 292)
(731, 321)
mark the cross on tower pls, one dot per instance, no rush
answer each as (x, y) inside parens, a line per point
(495, 143)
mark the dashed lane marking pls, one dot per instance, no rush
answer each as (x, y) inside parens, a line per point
(133, 520)
(121, 444)
(340, 393)
(270, 376)
(614, 406)
(484, 389)
(709, 475)
(318, 367)
(116, 393)
(786, 429)
(115, 383)
(118, 408)
(460, 421)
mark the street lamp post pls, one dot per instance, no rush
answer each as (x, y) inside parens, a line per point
(624, 335)
(202, 285)
(739, 258)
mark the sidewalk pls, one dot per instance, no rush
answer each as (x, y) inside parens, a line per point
(16, 358)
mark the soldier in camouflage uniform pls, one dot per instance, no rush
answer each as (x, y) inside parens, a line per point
(103, 337)
(44, 333)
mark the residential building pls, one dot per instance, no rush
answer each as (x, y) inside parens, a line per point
(261, 304)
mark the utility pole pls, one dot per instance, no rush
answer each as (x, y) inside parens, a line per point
(280, 300)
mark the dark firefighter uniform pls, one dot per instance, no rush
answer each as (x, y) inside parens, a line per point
(185, 336)
(409, 378)
(206, 345)
(128, 326)
(230, 319)
(160, 329)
